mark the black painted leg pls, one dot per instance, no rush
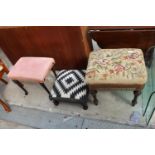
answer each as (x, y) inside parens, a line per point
(46, 89)
(21, 86)
(56, 102)
(54, 72)
(136, 94)
(85, 106)
(94, 94)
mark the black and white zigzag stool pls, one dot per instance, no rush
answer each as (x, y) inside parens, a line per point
(70, 86)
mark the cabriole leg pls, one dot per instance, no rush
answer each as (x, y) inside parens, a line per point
(5, 106)
(21, 86)
(136, 94)
(46, 89)
(94, 94)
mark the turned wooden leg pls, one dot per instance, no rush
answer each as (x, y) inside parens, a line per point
(136, 94)
(46, 89)
(54, 73)
(5, 106)
(56, 102)
(94, 94)
(85, 106)
(4, 81)
(21, 86)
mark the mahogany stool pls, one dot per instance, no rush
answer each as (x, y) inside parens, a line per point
(31, 69)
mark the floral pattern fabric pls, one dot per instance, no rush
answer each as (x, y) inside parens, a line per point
(116, 66)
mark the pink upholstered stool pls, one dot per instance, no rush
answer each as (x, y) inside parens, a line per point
(31, 69)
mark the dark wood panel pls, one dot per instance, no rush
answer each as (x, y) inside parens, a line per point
(124, 38)
(120, 27)
(64, 43)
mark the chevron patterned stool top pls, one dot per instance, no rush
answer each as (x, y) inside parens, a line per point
(70, 87)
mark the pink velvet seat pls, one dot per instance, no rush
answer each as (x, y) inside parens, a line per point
(31, 69)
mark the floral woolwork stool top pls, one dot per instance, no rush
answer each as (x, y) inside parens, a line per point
(116, 66)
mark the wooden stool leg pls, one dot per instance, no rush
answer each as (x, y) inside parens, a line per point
(54, 73)
(46, 89)
(5, 106)
(21, 86)
(4, 81)
(85, 106)
(136, 94)
(94, 93)
(56, 102)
